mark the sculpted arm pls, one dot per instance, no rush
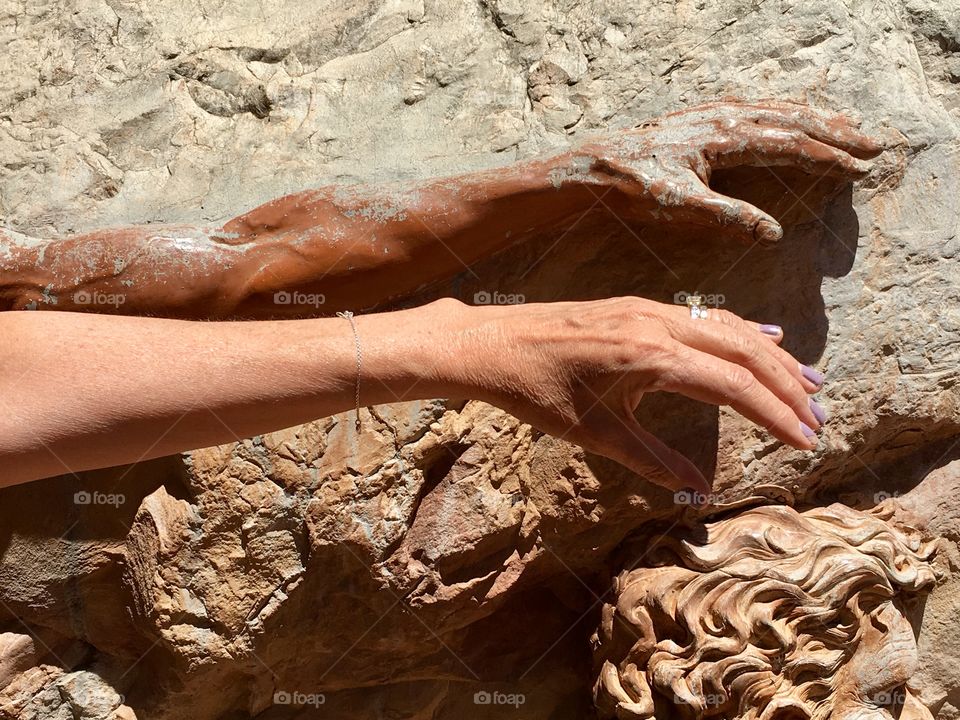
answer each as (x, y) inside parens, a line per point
(360, 246)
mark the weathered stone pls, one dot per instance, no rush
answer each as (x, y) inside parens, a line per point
(451, 550)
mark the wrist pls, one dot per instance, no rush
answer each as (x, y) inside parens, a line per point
(618, 172)
(432, 351)
(582, 168)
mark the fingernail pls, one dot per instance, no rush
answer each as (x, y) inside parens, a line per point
(768, 232)
(817, 411)
(808, 433)
(771, 330)
(812, 375)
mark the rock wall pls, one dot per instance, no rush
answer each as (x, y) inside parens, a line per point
(451, 561)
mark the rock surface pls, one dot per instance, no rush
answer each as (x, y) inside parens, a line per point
(451, 561)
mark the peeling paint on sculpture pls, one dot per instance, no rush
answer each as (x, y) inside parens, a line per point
(365, 247)
(768, 615)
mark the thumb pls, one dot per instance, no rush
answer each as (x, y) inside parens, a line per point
(651, 458)
(741, 220)
(729, 216)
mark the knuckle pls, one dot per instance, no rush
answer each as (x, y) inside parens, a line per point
(657, 474)
(640, 308)
(745, 348)
(795, 408)
(665, 361)
(651, 468)
(798, 401)
(590, 437)
(739, 381)
(728, 318)
(728, 124)
(784, 417)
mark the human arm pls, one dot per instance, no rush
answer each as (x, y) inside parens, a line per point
(83, 391)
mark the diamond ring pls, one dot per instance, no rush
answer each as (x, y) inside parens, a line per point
(697, 311)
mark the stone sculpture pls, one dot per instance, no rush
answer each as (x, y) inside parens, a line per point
(770, 613)
(234, 574)
(361, 247)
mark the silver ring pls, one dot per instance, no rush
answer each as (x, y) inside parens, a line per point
(695, 303)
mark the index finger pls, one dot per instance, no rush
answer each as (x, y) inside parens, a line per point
(827, 126)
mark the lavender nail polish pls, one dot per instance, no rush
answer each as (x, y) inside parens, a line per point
(771, 330)
(817, 411)
(808, 433)
(812, 375)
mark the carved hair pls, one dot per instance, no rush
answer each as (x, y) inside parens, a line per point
(752, 619)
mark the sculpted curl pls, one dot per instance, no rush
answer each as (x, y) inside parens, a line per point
(768, 614)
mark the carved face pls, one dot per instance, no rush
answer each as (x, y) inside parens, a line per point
(873, 682)
(767, 615)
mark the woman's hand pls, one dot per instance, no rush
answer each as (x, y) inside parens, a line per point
(665, 165)
(578, 371)
(575, 370)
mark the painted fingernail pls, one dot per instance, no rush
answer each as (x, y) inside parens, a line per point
(812, 375)
(817, 411)
(768, 232)
(771, 330)
(808, 433)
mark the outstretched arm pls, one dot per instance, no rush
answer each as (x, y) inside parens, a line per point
(83, 391)
(359, 246)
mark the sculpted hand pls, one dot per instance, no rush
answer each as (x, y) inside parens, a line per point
(664, 166)
(578, 371)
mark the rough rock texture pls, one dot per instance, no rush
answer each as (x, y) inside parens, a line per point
(450, 550)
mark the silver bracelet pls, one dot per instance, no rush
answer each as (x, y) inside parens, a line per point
(348, 316)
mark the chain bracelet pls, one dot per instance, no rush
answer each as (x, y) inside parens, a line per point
(348, 316)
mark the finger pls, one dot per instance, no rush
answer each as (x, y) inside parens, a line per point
(733, 217)
(810, 379)
(645, 454)
(827, 127)
(770, 147)
(746, 347)
(773, 332)
(692, 201)
(832, 128)
(713, 380)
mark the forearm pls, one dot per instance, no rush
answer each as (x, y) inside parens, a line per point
(307, 254)
(82, 391)
(359, 247)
